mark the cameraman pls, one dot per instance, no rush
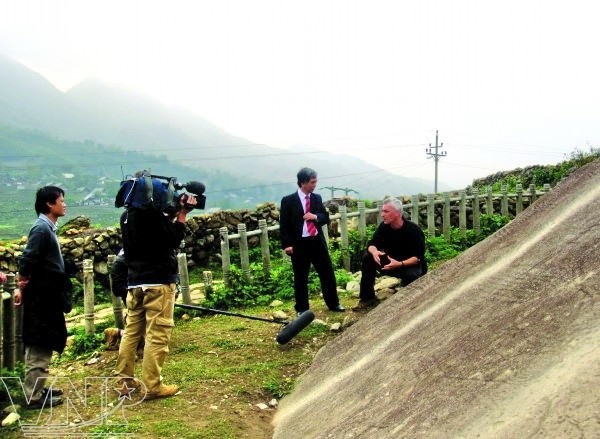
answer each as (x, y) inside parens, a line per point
(150, 240)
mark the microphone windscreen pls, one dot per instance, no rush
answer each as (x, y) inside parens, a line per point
(295, 326)
(195, 187)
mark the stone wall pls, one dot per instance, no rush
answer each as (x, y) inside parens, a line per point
(79, 241)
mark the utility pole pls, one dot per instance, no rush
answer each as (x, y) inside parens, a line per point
(436, 157)
(332, 189)
(344, 189)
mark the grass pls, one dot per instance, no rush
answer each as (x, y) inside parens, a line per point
(225, 366)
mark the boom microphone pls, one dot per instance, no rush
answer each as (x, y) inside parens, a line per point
(295, 326)
(288, 332)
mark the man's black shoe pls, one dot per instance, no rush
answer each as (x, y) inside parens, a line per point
(45, 402)
(55, 391)
(338, 308)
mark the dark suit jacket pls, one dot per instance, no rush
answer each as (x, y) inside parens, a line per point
(290, 218)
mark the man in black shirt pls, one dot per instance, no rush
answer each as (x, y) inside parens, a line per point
(397, 248)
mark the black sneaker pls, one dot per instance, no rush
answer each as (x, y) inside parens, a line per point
(45, 402)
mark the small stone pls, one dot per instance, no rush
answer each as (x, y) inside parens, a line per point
(280, 315)
(262, 406)
(10, 419)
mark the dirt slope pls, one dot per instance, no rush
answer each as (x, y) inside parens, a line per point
(502, 342)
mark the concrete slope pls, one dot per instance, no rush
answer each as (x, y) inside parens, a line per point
(503, 341)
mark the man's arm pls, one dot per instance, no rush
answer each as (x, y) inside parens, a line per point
(320, 211)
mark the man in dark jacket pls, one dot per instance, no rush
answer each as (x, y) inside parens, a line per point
(301, 216)
(397, 248)
(150, 239)
(43, 289)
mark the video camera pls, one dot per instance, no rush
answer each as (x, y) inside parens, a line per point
(147, 191)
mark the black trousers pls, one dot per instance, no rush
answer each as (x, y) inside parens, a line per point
(370, 269)
(313, 251)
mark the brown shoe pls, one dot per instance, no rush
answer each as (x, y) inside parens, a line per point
(164, 391)
(364, 305)
(127, 386)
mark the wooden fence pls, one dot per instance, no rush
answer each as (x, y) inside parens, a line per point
(411, 211)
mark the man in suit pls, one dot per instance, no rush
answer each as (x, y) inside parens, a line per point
(301, 216)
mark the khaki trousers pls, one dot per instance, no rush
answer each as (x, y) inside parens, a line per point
(37, 361)
(149, 313)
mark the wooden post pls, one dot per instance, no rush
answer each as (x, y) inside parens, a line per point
(11, 286)
(117, 303)
(504, 200)
(462, 211)
(264, 246)
(88, 295)
(207, 276)
(344, 237)
(532, 196)
(489, 206)
(244, 254)
(325, 231)
(414, 210)
(225, 258)
(519, 206)
(9, 329)
(446, 220)
(476, 212)
(379, 207)
(184, 278)
(431, 214)
(362, 222)
(3, 352)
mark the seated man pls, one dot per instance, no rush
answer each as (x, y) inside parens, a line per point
(396, 249)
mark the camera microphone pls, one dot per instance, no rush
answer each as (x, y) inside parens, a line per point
(193, 187)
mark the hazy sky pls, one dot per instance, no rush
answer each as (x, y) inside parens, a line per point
(507, 83)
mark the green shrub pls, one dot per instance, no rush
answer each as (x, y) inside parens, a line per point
(83, 343)
(12, 386)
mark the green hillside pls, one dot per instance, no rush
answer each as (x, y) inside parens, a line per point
(31, 159)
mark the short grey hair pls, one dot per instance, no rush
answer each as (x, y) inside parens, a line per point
(395, 202)
(305, 175)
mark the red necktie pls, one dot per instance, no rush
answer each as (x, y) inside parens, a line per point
(310, 225)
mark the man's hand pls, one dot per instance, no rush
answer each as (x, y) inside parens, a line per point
(309, 217)
(389, 263)
(187, 203)
(377, 255)
(17, 298)
(289, 251)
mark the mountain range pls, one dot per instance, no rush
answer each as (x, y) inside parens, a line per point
(94, 114)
